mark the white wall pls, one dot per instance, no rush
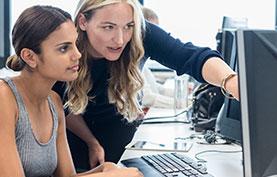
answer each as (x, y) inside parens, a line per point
(17, 6)
(190, 20)
(199, 20)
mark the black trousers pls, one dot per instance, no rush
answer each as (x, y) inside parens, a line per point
(113, 136)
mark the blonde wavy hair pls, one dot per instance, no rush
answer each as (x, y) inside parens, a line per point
(125, 80)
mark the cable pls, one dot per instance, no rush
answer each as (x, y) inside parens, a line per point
(200, 160)
(148, 120)
(163, 117)
(192, 136)
(215, 143)
(163, 122)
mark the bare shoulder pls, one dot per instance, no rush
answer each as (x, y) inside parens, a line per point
(6, 93)
(56, 98)
(58, 103)
(8, 105)
(3, 85)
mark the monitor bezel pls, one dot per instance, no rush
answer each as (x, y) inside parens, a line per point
(244, 107)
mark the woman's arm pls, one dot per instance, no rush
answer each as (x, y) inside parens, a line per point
(184, 58)
(215, 71)
(202, 63)
(10, 163)
(77, 125)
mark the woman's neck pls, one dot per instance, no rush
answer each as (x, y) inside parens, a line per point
(36, 89)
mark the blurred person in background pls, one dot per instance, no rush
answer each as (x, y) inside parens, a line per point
(154, 94)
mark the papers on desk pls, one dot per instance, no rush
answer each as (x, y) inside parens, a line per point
(174, 146)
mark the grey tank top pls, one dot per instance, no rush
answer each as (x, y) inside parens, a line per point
(38, 159)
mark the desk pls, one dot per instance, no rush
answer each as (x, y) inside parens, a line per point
(218, 164)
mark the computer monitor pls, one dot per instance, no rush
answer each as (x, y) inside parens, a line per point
(228, 123)
(4, 31)
(234, 22)
(257, 59)
(229, 24)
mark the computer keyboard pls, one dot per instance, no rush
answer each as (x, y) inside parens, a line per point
(169, 165)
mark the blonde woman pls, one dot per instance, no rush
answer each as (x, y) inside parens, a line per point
(113, 38)
(33, 138)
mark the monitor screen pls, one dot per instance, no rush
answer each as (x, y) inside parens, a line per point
(228, 47)
(4, 31)
(257, 59)
(228, 123)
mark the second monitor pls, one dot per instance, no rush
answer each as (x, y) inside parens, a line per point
(228, 123)
(257, 54)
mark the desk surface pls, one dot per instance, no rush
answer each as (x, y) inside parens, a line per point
(218, 164)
